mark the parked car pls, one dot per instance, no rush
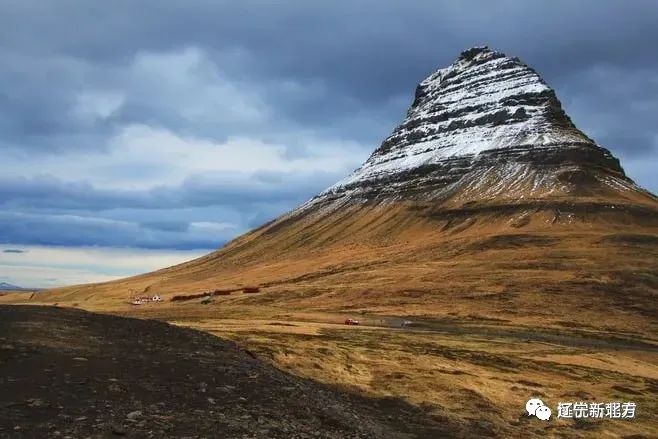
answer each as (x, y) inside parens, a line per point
(351, 322)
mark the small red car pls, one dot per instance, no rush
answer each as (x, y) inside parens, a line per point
(351, 322)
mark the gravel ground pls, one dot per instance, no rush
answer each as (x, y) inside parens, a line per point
(70, 373)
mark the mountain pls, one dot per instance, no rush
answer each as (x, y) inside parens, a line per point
(486, 129)
(4, 286)
(485, 201)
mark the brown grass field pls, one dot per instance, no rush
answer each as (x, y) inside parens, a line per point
(532, 301)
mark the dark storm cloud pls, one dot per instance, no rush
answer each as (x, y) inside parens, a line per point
(362, 54)
(617, 107)
(49, 212)
(238, 192)
(166, 226)
(84, 231)
(359, 54)
(75, 74)
(340, 41)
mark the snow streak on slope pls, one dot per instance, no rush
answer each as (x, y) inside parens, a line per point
(485, 102)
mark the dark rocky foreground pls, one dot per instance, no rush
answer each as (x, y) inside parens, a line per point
(70, 373)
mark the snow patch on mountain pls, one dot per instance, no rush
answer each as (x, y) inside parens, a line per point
(487, 125)
(484, 101)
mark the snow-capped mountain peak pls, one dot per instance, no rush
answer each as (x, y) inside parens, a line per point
(485, 110)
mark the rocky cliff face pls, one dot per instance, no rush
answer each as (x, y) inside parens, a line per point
(485, 128)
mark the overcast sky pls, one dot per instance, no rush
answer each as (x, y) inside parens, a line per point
(155, 131)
